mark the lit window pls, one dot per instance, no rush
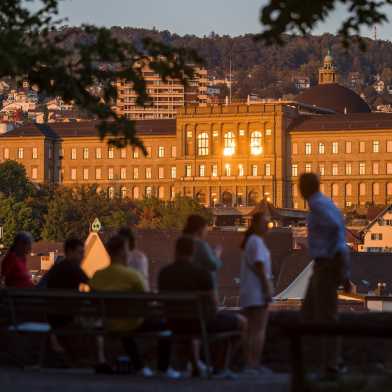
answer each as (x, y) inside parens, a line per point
(202, 170)
(85, 153)
(376, 146)
(173, 172)
(148, 172)
(362, 147)
(73, 174)
(123, 154)
(85, 174)
(161, 172)
(295, 149)
(376, 189)
(348, 168)
(149, 152)
(349, 190)
(35, 153)
(308, 148)
(20, 153)
(255, 143)
(161, 192)
(321, 148)
(172, 193)
(242, 132)
(135, 154)
(98, 173)
(110, 173)
(188, 170)
(161, 151)
(254, 170)
(135, 173)
(294, 170)
(322, 169)
(376, 236)
(267, 169)
(335, 148)
(348, 147)
(308, 167)
(322, 188)
(148, 191)
(136, 192)
(111, 192)
(389, 167)
(229, 144)
(362, 168)
(73, 153)
(362, 189)
(123, 192)
(376, 167)
(268, 132)
(214, 170)
(6, 153)
(227, 170)
(389, 146)
(123, 173)
(34, 173)
(335, 169)
(240, 170)
(202, 144)
(98, 153)
(111, 153)
(174, 151)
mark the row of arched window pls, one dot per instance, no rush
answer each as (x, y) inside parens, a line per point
(229, 143)
(136, 192)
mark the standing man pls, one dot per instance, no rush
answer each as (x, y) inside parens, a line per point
(327, 246)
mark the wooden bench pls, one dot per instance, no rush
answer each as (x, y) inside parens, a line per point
(356, 324)
(28, 311)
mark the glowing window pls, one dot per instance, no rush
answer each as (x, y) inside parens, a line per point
(202, 144)
(255, 143)
(229, 144)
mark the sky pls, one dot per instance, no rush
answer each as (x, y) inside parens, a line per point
(233, 17)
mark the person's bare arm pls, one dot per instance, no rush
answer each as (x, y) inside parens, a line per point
(265, 283)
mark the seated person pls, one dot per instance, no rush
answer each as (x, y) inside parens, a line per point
(136, 258)
(185, 276)
(14, 270)
(119, 277)
(67, 273)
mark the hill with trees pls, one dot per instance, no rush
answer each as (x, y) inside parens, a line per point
(268, 71)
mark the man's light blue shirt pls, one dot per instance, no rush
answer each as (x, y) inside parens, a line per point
(326, 228)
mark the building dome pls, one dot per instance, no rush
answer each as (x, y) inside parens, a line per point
(335, 97)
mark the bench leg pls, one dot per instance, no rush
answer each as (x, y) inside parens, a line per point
(42, 351)
(297, 368)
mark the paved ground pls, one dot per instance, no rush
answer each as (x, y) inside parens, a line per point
(12, 380)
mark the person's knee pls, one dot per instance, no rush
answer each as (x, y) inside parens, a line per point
(242, 323)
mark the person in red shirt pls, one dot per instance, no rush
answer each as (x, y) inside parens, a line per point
(14, 268)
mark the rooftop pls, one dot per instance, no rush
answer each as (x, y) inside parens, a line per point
(338, 122)
(89, 129)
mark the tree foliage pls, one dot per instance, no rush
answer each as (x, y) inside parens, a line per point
(33, 46)
(299, 16)
(13, 180)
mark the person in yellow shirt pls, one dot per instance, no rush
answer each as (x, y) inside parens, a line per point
(118, 276)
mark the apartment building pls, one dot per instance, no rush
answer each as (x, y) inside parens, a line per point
(167, 97)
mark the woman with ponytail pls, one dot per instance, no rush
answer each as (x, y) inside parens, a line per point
(255, 289)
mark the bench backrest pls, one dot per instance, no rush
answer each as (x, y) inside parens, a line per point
(38, 305)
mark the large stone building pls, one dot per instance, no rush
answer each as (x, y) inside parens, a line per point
(227, 154)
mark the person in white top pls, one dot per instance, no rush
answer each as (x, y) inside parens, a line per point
(136, 258)
(255, 288)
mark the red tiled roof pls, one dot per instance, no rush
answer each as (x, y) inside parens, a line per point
(89, 129)
(336, 122)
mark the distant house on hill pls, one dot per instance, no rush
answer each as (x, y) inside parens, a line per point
(301, 82)
(377, 235)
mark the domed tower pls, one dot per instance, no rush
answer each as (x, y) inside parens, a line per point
(328, 73)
